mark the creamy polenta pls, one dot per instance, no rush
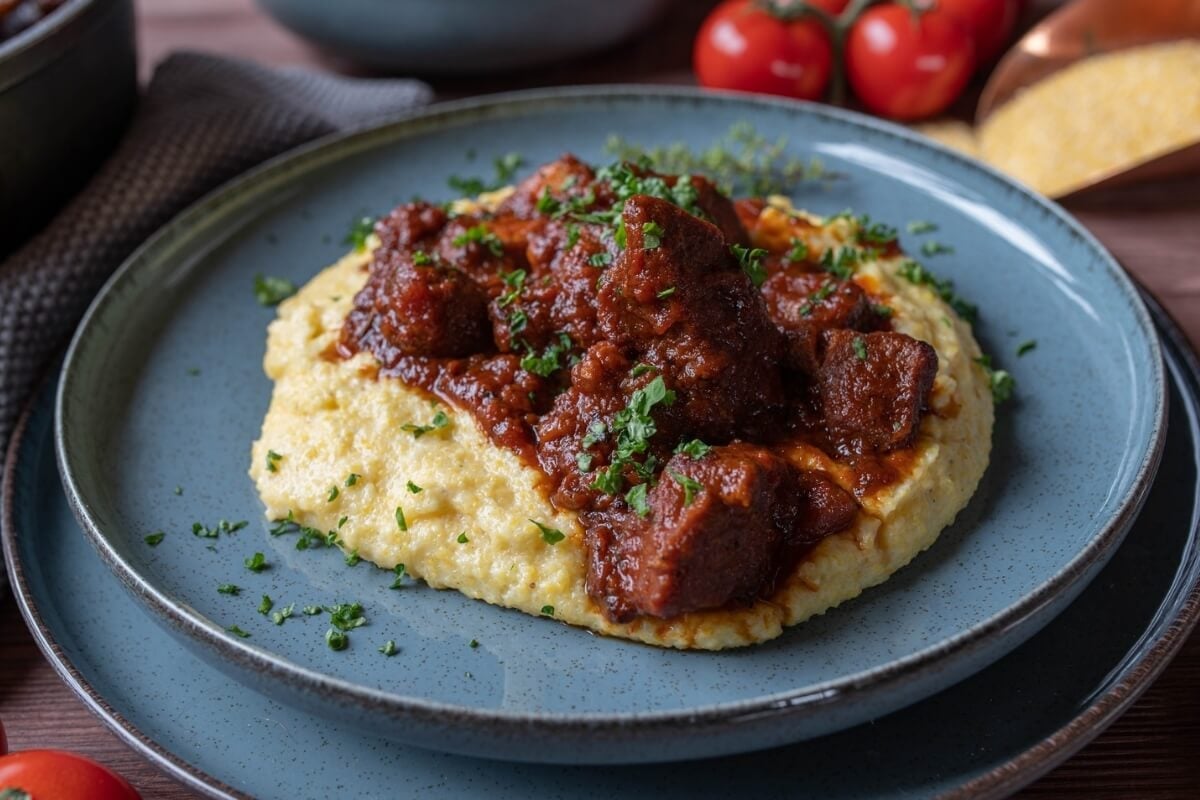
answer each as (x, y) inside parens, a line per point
(431, 491)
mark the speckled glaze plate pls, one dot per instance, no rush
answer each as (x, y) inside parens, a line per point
(163, 388)
(985, 737)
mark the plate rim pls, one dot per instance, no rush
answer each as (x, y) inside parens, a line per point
(341, 692)
(1020, 770)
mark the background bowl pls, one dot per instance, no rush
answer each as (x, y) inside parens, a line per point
(67, 88)
(461, 36)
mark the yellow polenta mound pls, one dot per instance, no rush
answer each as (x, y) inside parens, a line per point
(1097, 116)
(329, 419)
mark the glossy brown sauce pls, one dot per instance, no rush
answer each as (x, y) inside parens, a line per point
(555, 327)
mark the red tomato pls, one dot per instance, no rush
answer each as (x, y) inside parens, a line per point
(990, 23)
(907, 66)
(742, 47)
(58, 775)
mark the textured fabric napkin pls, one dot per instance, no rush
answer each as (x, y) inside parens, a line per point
(202, 121)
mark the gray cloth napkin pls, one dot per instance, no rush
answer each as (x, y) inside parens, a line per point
(202, 121)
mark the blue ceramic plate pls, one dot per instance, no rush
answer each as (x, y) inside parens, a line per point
(1057, 691)
(163, 388)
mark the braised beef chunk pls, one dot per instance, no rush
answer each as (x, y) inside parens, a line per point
(715, 532)
(598, 324)
(873, 388)
(679, 302)
(805, 304)
(410, 226)
(410, 310)
(560, 181)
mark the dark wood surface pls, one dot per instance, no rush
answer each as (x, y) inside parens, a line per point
(1152, 752)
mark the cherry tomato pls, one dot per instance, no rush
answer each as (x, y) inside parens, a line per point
(905, 65)
(742, 47)
(58, 775)
(990, 23)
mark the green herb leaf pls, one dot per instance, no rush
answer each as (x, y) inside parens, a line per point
(312, 611)
(751, 262)
(256, 562)
(583, 461)
(412, 487)
(1025, 347)
(548, 362)
(920, 226)
(932, 248)
(352, 558)
(272, 460)
(601, 260)
(914, 272)
(352, 478)
(360, 230)
(547, 611)
(229, 588)
(389, 648)
(549, 535)
(336, 639)
(480, 235)
(652, 234)
(439, 421)
(798, 251)
(398, 582)
(155, 539)
(270, 291)
(665, 293)
(820, 295)
(333, 493)
(422, 259)
(695, 448)
(636, 498)
(690, 486)
(236, 631)
(347, 616)
(284, 613)
(860, 348)
(473, 644)
(1002, 384)
(265, 606)
(462, 538)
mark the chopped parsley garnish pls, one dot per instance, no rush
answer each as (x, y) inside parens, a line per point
(336, 639)
(389, 648)
(178, 491)
(223, 526)
(1025, 347)
(440, 420)
(914, 272)
(515, 281)
(820, 295)
(860, 348)
(474, 643)
(155, 539)
(401, 522)
(932, 248)
(640, 369)
(352, 558)
(798, 250)
(422, 259)
(352, 478)
(237, 631)
(333, 494)
(841, 261)
(665, 293)
(229, 588)
(751, 262)
(1002, 383)
(480, 235)
(633, 427)
(875, 233)
(312, 611)
(548, 362)
(690, 486)
(269, 291)
(919, 226)
(517, 320)
(462, 538)
(652, 234)
(547, 204)
(882, 310)
(547, 611)
(695, 448)
(284, 613)
(636, 498)
(359, 232)
(256, 562)
(583, 461)
(572, 235)
(398, 581)
(265, 606)
(550, 535)
(342, 521)
(272, 461)
(346, 616)
(414, 489)
(596, 432)
(600, 259)
(505, 167)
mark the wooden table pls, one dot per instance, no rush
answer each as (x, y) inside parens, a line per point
(1151, 752)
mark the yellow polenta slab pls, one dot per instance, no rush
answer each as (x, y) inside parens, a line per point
(330, 418)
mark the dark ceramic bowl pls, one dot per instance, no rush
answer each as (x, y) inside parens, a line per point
(462, 36)
(67, 88)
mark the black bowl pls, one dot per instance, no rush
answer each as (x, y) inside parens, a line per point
(68, 86)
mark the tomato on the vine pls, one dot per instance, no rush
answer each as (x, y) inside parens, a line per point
(59, 775)
(990, 23)
(905, 64)
(745, 46)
